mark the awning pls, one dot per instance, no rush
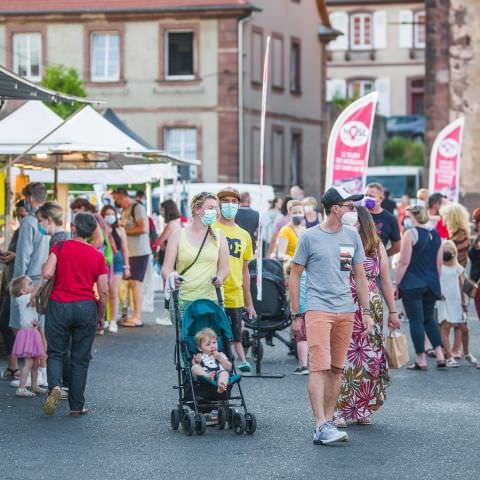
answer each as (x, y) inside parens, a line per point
(113, 118)
(13, 86)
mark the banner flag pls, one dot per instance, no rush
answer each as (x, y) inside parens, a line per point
(349, 145)
(445, 160)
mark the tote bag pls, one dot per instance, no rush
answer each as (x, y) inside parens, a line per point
(397, 349)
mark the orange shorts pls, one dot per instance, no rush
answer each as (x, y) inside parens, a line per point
(328, 337)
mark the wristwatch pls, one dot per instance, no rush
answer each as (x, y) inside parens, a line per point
(294, 316)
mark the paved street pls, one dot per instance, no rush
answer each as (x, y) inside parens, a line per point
(428, 428)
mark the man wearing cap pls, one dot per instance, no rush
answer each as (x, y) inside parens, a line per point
(237, 284)
(329, 253)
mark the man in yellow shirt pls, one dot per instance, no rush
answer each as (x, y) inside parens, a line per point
(236, 285)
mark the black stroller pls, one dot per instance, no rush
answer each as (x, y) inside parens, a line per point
(273, 312)
(199, 403)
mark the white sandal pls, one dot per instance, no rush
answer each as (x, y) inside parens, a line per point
(23, 392)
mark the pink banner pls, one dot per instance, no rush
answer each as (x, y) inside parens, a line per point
(349, 145)
(445, 160)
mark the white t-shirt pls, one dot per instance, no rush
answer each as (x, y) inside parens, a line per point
(450, 309)
(28, 313)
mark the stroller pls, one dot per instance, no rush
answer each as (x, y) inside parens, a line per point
(273, 312)
(199, 403)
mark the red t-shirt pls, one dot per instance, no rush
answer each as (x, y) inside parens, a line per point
(78, 267)
(442, 229)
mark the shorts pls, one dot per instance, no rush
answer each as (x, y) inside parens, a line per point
(138, 267)
(118, 263)
(328, 337)
(235, 316)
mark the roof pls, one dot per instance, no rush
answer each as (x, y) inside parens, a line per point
(113, 118)
(80, 6)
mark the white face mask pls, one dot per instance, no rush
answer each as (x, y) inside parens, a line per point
(350, 219)
(110, 219)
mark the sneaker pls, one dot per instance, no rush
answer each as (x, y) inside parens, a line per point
(327, 434)
(112, 327)
(64, 393)
(42, 377)
(245, 367)
(452, 363)
(50, 405)
(471, 359)
(301, 371)
(23, 392)
(40, 390)
(16, 383)
(164, 321)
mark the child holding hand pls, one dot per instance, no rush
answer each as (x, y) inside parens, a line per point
(209, 362)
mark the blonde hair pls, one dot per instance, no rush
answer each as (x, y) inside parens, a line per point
(455, 217)
(287, 267)
(204, 334)
(16, 285)
(51, 210)
(450, 245)
(310, 201)
(420, 213)
(198, 201)
(294, 203)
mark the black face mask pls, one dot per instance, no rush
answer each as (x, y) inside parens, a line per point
(447, 256)
(297, 220)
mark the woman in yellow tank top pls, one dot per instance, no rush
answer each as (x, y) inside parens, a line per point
(184, 245)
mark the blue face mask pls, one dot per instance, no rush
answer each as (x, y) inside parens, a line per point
(42, 229)
(209, 217)
(407, 223)
(229, 210)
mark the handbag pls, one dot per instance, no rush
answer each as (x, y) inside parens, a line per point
(43, 293)
(397, 349)
(470, 288)
(186, 269)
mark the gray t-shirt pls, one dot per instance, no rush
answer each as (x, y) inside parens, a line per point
(138, 245)
(328, 259)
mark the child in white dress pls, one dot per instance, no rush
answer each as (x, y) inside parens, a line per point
(452, 308)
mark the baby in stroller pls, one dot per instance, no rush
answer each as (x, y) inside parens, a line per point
(209, 362)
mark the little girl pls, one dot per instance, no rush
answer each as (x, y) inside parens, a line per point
(211, 363)
(452, 308)
(28, 341)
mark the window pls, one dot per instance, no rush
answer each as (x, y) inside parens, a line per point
(295, 67)
(27, 55)
(296, 173)
(419, 30)
(257, 56)
(105, 57)
(179, 55)
(358, 88)
(277, 61)
(254, 174)
(277, 156)
(181, 142)
(361, 31)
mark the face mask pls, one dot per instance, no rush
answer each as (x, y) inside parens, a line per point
(350, 219)
(110, 219)
(308, 209)
(407, 223)
(369, 203)
(42, 229)
(447, 256)
(229, 210)
(209, 216)
(297, 219)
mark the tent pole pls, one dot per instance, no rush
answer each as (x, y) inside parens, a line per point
(8, 207)
(55, 183)
(148, 198)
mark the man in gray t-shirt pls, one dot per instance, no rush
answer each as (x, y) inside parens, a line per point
(135, 221)
(329, 253)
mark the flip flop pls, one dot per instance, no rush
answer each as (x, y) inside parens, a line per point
(431, 353)
(441, 364)
(416, 366)
(130, 325)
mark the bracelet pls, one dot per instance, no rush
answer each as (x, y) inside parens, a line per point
(391, 313)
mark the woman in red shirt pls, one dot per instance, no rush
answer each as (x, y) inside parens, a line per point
(73, 310)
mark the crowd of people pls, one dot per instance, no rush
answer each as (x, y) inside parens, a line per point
(352, 263)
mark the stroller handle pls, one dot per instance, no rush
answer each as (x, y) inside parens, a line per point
(219, 293)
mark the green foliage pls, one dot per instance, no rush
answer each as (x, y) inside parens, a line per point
(341, 103)
(65, 80)
(404, 151)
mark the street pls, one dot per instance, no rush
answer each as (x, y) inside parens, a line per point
(428, 428)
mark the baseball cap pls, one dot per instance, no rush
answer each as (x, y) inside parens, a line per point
(336, 195)
(228, 192)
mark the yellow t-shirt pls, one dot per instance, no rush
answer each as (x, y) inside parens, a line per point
(292, 238)
(240, 249)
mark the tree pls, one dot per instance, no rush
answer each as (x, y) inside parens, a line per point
(65, 80)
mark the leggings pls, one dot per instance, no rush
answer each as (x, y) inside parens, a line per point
(6, 332)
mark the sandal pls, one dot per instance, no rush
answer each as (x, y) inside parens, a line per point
(364, 421)
(431, 353)
(78, 413)
(416, 366)
(130, 325)
(11, 374)
(441, 364)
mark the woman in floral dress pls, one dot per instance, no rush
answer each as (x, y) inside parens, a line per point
(366, 376)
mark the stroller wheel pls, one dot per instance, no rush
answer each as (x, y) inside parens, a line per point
(258, 354)
(246, 341)
(222, 418)
(188, 423)
(200, 424)
(239, 423)
(230, 413)
(175, 419)
(250, 423)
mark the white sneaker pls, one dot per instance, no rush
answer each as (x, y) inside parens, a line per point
(63, 393)
(471, 359)
(23, 392)
(452, 363)
(164, 321)
(16, 383)
(40, 390)
(112, 327)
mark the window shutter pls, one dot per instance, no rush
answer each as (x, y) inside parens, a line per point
(380, 29)
(339, 21)
(382, 86)
(336, 87)
(405, 29)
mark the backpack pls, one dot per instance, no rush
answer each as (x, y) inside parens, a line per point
(152, 229)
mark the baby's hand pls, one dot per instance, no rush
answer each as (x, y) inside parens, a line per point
(197, 358)
(211, 375)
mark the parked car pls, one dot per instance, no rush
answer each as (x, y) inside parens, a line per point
(407, 126)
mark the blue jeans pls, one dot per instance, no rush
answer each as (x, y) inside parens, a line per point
(70, 326)
(419, 306)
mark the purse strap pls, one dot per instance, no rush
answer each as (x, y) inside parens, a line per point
(185, 270)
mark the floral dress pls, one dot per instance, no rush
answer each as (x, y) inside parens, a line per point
(365, 376)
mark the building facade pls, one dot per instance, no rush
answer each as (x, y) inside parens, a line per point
(382, 48)
(186, 75)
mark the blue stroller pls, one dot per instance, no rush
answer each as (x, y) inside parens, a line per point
(199, 403)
